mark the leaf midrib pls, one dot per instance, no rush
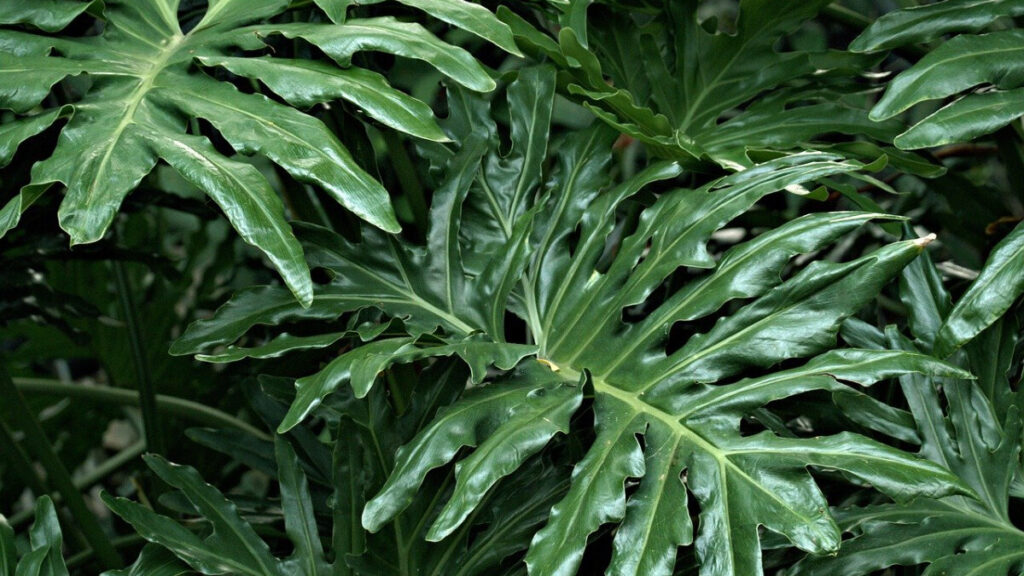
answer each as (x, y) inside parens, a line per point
(638, 406)
(134, 100)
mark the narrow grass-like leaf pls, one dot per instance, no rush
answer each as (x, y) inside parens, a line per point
(299, 515)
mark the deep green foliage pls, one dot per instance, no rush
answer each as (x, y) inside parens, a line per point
(562, 287)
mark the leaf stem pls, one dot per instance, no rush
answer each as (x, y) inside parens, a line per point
(117, 543)
(169, 404)
(147, 396)
(408, 180)
(108, 467)
(27, 470)
(57, 474)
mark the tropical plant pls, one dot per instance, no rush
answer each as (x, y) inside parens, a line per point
(146, 95)
(667, 418)
(972, 428)
(562, 287)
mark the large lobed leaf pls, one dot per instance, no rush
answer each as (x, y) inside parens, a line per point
(149, 78)
(667, 423)
(970, 428)
(687, 102)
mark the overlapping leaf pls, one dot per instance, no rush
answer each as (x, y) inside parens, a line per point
(145, 87)
(682, 100)
(986, 68)
(972, 429)
(542, 244)
(44, 557)
(233, 546)
(367, 434)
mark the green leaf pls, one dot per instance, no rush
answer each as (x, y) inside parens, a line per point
(45, 539)
(934, 527)
(876, 415)
(233, 547)
(362, 365)
(47, 15)
(8, 551)
(965, 119)
(991, 294)
(336, 10)
(926, 299)
(526, 411)
(693, 75)
(141, 91)
(246, 198)
(242, 446)
(956, 536)
(470, 17)
(961, 63)
(28, 79)
(388, 35)
(171, 535)
(13, 134)
(604, 268)
(153, 561)
(299, 143)
(926, 23)
(279, 346)
(304, 83)
(299, 516)
(230, 531)
(247, 308)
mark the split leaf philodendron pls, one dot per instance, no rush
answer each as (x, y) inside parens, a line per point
(151, 79)
(511, 288)
(667, 421)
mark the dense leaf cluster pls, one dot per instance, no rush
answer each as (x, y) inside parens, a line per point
(562, 287)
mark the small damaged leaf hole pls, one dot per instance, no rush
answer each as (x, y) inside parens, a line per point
(321, 276)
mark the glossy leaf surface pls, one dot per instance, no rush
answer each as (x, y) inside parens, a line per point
(146, 86)
(965, 62)
(660, 416)
(971, 428)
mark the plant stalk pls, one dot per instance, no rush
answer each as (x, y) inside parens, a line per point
(147, 396)
(169, 404)
(58, 476)
(108, 467)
